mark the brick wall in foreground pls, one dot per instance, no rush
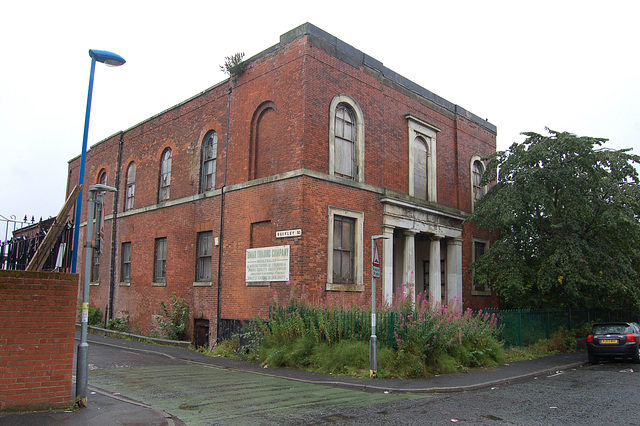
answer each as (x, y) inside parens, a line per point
(37, 329)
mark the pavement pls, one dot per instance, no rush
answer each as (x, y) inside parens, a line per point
(106, 407)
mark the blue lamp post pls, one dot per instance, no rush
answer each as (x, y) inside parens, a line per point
(109, 59)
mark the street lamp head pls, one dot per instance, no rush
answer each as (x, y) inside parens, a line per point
(107, 58)
(102, 188)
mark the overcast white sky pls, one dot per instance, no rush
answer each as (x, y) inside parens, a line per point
(569, 65)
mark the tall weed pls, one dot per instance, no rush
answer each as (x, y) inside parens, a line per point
(331, 334)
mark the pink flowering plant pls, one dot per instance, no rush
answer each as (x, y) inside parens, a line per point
(331, 331)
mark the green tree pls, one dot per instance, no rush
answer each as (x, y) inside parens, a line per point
(567, 213)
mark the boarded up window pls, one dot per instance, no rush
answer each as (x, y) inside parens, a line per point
(345, 143)
(420, 168)
(261, 234)
(477, 172)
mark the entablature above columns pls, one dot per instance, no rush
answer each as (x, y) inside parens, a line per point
(420, 219)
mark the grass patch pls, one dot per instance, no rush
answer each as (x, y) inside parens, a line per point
(562, 341)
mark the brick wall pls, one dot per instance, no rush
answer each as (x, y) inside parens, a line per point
(37, 330)
(271, 121)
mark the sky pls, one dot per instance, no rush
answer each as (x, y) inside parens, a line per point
(567, 65)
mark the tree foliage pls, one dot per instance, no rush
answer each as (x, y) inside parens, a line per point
(567, 212)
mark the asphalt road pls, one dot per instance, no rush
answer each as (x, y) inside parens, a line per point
(202, 394)
(606, 394)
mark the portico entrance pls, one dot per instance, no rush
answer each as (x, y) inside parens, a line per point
(426, 247)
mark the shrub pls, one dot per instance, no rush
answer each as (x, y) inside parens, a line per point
(119, 324)
(225, 348)
(95, 317)
(173, 320)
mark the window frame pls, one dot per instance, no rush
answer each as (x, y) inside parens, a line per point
(419, 139)
(476, 159)
(160, 260)
(130, 187)
(344, 223)
(211, 136)
(418, 128)
(485, 242)
(359, 142)
(125, 263)
(164, 184)
(358, 216)
(202, 256)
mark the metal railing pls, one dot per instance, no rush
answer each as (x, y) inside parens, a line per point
(16, 253)
(524, 327)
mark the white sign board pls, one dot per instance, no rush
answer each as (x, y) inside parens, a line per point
(289, 233)
(267, 264)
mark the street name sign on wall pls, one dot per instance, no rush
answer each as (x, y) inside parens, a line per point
(289, 233)
(266, 264)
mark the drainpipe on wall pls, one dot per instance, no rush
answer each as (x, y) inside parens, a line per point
(112, 281)
(456, 161)
(224, 185)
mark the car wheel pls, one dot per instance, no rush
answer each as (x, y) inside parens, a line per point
(636, 357)
(593, 359)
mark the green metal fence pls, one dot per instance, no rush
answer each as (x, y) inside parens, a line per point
(519, 327)
(524, 327)
(344, 324)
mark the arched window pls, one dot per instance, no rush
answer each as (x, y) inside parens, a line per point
(346, 139)
(165, 175)
(477, 171)
(102, 177)
(420, 175)
(345, 143)
(130, 188)
(209, 154)
(422, 158)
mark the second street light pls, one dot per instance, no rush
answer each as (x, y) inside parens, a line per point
(96, 197)
(109, 59)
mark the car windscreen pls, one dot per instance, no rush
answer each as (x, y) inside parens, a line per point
(610, 329)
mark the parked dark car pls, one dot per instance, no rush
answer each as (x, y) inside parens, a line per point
(614, 340)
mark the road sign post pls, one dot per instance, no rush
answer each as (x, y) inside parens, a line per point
(375, 273)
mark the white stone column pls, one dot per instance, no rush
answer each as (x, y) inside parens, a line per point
(454, 272)
(409, 264)
(435, 292)
(387, 266)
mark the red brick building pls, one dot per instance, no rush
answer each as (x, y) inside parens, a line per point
(279, 177)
